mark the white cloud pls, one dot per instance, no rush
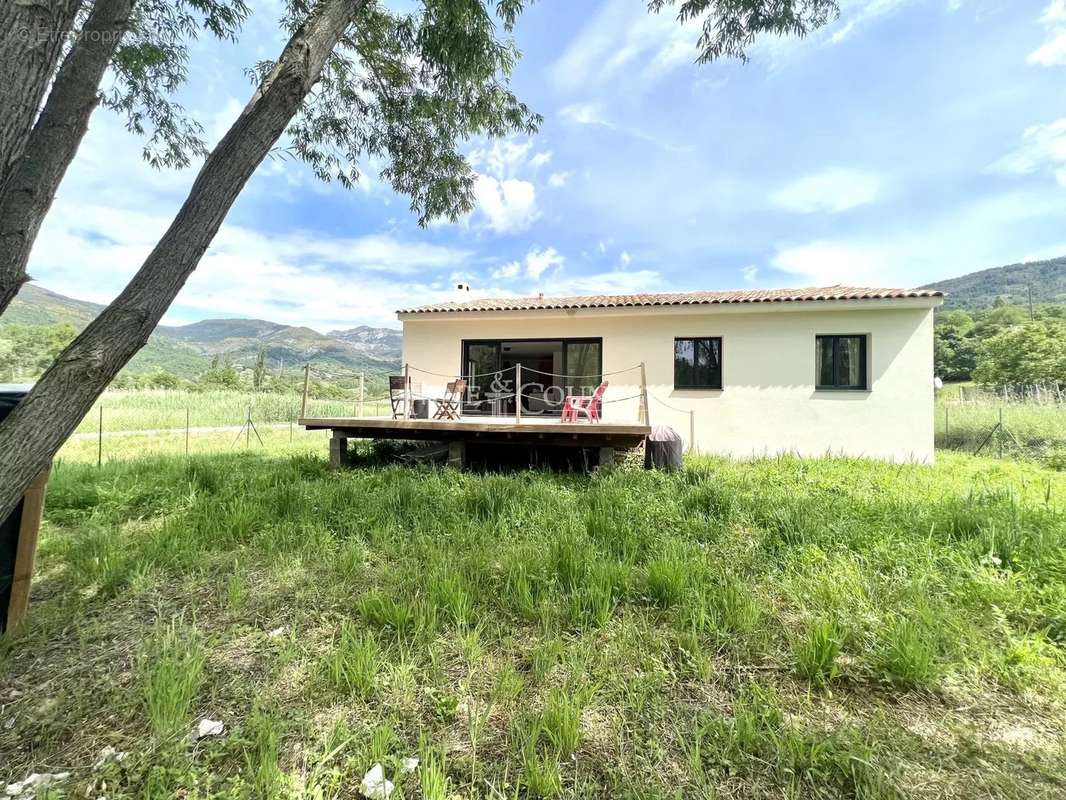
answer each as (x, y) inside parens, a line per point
(1043, 147)
(509, 206)
(623, 39)
(832, 190)
(624, 258)
(855, 13)
(828, 263)
(508, 271)
(557, 180)
(540, 159)
(615, 282)
(750, 273)
(508, 158)
(1053, 52)
(585, 114)
(540, 261)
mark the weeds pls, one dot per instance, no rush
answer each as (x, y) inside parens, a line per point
(353, 664)
(172, 666)
(816, 654)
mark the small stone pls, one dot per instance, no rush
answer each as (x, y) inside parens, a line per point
(274, 634)
(36, 779)
(375, 786)
(209, 727)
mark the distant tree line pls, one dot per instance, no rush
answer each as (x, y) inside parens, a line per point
(1005, 345)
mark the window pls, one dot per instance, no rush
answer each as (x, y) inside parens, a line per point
(698, 363)
(840, 362)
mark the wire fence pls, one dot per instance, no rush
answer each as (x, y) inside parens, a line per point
(1008, 422)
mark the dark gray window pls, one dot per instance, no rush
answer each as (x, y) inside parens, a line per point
(840, 362)
(698, 363)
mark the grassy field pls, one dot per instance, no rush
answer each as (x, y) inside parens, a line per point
(767, 629)
(1031, 429)
(155, 409)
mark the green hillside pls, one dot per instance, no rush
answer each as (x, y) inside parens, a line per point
(979, 290)
(187, 350)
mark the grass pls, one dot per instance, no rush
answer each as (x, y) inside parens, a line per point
(161, 409)
(775, 628)
(1033, 429)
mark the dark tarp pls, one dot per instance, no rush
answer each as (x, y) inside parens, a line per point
(663, 448)
(10, 395)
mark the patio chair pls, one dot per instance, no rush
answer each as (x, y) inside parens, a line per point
(398, 394)
(588, 406)
(451, 405)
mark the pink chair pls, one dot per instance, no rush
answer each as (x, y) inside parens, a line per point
(585, 405)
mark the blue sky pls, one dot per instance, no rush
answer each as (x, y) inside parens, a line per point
(909, 141)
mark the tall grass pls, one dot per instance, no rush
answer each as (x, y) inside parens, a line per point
(1032, 427)
(773, 628)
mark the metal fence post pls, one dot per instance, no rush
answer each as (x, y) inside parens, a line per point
(307, 379)
(100, 440)
(518, 393)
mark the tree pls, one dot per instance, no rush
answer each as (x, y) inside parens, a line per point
(954, 349)
(143, 42)
(159, 378)
(406, 88)
(221, 376)
(260, 371)
(1033, 353)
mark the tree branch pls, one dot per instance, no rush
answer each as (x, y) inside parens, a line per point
(27, 194)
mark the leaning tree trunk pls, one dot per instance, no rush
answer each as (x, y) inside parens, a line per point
(27, 194)
(32, 35)
(39, 425)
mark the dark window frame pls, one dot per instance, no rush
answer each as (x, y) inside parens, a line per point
(707, 387)
(864, 360)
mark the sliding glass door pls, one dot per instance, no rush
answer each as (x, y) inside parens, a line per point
(551, 369)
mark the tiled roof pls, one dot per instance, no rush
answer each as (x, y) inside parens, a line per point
(673, 299)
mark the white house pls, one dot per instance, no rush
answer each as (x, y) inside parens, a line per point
(835, 370)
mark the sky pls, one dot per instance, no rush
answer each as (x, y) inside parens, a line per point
(908, 141)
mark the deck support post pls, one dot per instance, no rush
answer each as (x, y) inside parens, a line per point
(606, 457)
(339, 456)
(457, 453)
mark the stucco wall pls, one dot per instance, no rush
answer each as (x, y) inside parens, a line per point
(768, 403)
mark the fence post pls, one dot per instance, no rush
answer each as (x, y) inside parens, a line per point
(691, 429)
(407, 391)
(1001, 431)
(100, 439)
(186, 430)
(307, 379)
(518, 393)
(947, 427)
(362, 394)
(645, 416)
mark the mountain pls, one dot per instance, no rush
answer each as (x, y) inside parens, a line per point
(1012, 282)
(380, 342)
(187, 350)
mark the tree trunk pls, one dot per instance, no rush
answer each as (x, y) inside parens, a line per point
(27, 194)
(32, 34)
(39, 425)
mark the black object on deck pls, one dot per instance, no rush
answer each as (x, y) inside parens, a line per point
(663, 448)
(10, 395)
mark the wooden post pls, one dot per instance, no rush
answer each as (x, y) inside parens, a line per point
(100, 439)
(307, 380)
(407, 391)
(362, 394)
(26, 551)
(518, 393)
(644, 417)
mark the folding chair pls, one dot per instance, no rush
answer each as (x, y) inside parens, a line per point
(399, 386)
(451, 405)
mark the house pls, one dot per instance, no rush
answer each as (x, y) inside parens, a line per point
(814, 371)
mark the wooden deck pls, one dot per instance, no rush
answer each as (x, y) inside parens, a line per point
(531, 431)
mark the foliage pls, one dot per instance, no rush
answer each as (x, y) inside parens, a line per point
(27, 350)
(1029, 353)
(1012, 283)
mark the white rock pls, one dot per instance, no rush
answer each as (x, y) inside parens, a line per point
(20, 788)
(277, 632)
(209, 727)
(409, 765)
(375, 786)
